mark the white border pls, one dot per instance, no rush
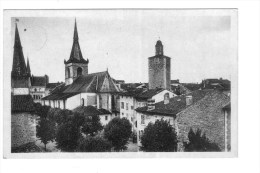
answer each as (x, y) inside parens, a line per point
(248, 106)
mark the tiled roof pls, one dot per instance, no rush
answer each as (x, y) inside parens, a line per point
(175, 81)
(38, 81)
(148, 94)
(58, 94)
(132, 92)
(52, 85)
(191, 86)
(90, 110)
(159, 56)
(175, 105)
(93, 83)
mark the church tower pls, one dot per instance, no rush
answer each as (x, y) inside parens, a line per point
(159, 69)
(76, 65)
(20, 76)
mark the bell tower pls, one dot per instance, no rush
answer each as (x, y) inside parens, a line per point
(76, 65)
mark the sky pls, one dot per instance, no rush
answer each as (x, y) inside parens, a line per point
(200, 46)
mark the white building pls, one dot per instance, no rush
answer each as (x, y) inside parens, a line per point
(131, 100)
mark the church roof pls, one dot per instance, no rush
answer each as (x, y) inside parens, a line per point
(76, 55)
(19, 66)
(93, 83)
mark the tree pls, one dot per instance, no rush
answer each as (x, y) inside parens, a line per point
(45, 131)
(91, 125)
(198, 142)
(94, 144)
(67, 136)
(42, 111)
(159, 137)
(118, 131)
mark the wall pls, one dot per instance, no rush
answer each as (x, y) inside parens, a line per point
(130, 112)
(103, 119)
(73, 102)
(160, 96)
(207, 115)
(21, 91)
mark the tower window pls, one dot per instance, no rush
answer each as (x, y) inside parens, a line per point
(82, 102)
(68, 72)
(79, 71)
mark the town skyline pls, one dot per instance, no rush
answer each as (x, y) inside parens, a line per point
(122, 55)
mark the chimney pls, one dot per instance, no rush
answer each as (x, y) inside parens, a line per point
(151, 104)
(189, 100)
(166, 98)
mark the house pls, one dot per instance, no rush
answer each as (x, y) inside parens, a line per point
(104, 115)
(166, 109)
(222, 84)
(139, 97)
(38, 87)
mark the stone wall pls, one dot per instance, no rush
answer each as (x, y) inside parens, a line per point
(206, 114)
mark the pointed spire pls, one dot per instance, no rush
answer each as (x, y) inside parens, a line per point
(28, 67)
(76, 55)
(75, 37)
(159, 48)
(19, 66)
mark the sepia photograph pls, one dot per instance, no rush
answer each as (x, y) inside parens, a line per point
(113, 81)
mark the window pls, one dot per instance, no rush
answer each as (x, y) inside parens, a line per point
(79, 71)
(58, 104)
(142, 119)
(68, 70)
(132, 107)
(35, 89)
(127, 116)
(132, 119)
(122, 114)
(106, 117)
(82, 102)
(122, 105)
(126, 106)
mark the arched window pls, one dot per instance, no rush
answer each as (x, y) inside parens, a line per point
(79, 71)
(68, 70)
(82, 102)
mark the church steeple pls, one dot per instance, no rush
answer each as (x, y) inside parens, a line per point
(76, 55)
(19, 66)
(28, 67)
(159, 48)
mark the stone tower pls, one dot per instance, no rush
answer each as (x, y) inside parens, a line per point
(159, 69)
(20, 75)
(76, 65)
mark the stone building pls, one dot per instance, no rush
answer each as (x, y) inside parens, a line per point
(159, 69)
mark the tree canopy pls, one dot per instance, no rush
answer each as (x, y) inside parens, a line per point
(118, 132)
(159, 137)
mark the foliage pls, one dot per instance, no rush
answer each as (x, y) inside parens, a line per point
(118, 131)
(67, 136)
(45, 131)
(92, 125)
(199, 142)
(42, 111)
(94, 144)
(59, 115)
(22, 103)
(159, 137)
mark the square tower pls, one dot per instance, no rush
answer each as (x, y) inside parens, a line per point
(159, 69)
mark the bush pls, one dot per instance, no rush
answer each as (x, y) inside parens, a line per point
(67, 136)
(91, 125)
(118, 131)
(94, 144)
(198, 142)
(42, 111)
(159, 137)
(59, 115)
